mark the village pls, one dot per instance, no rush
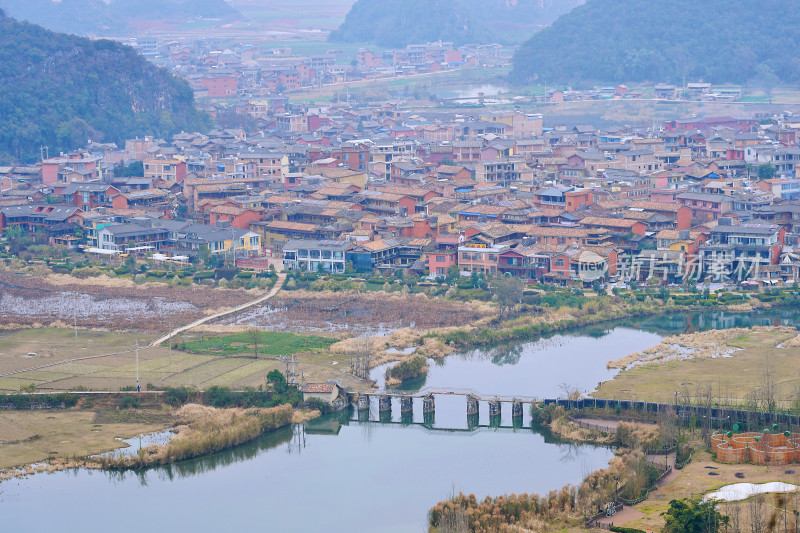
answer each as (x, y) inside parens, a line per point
(308, 257)
(378, 189)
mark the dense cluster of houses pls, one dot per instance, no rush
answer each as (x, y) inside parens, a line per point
(384, 188)
(250, 72)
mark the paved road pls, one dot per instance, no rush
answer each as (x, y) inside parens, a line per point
(273, 291)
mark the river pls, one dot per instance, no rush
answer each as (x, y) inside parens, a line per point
(344, 474)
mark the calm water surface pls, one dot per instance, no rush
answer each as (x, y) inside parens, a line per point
(344, 474)
(353, 476)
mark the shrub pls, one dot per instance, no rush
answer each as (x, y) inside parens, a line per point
(129, 402)
(177, 395)
(408, 369)
(320, 405)
(225, 273)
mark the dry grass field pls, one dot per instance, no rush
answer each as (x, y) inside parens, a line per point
(70, 433)
(703, 475)
(54, 350)
(756, 357)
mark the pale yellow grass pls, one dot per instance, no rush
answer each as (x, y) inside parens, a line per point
(706, 344)
(243, 372)
(11, 431)
(65, 434)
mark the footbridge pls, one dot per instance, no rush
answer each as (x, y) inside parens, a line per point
(428, 396)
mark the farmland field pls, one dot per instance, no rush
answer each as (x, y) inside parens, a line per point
(45, 359)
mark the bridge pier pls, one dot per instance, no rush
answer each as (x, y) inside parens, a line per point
(472, 405)
(516, 409)
(494, 408)
(385, 404)
(406, 418)
(428, 405)
(406, 404)
(363, 402)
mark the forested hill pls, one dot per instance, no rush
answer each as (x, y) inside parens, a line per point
(396, 23)
(59, 90)
(641, 40)
(115, 17)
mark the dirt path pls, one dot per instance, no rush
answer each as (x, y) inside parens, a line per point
(272, 292)
(627, 514)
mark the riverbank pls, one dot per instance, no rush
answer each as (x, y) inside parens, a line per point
(198, 431)
(755, 368)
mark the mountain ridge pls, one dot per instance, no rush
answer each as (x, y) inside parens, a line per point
(60, 90)
(730, 41)
(396, 23)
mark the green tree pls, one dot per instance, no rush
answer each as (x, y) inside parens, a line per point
(133, 169)
(453, 273)
(204, 255)
(693, 516)
(278, 381)
(766, 171)
(598, 287)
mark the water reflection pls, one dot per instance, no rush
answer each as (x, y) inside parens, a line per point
(576, 358)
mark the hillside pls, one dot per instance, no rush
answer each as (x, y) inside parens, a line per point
(396, 23)
(117, 17)
(59, 90)
(639, 40)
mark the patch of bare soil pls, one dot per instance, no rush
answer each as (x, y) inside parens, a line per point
(359, 312)
(148, 308)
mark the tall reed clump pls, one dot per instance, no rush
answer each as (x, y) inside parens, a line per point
(503, 512)
(206, 430)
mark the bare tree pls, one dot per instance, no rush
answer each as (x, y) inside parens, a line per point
(254, 338)
(767, 395)
(735, 517)
(508, 291)
(668, 425)
(570, 392)
(756, 510)
(454, 521)
(360, 360)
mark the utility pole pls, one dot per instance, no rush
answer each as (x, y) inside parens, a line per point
(75, 321)
(138, 388)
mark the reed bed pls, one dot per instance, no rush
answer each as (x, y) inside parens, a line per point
(202, 430)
